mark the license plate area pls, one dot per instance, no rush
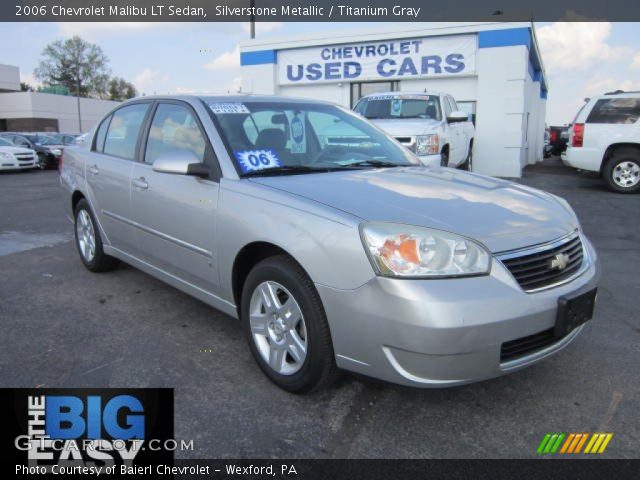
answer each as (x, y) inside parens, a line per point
(573, 311)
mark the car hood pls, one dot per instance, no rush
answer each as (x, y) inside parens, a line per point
(15, 150)
(502, 215)
(407, 127)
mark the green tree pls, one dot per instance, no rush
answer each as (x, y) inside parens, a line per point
(80, 66)
(119, 89)
(25, 87)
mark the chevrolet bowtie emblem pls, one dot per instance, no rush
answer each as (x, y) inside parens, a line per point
(560, 261)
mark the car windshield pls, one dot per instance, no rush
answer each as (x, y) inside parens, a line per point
(5, 143)
(46, 140)
(400, 106)
(277, 137)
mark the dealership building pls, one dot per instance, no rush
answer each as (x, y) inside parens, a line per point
(493, 70)
(45, 112)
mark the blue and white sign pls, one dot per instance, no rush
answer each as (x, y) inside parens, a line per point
(298, 134)
(386, 60)
(254, 160)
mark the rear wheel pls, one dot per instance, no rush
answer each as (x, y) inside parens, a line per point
(89, 242)
(622, 171)
(286, 327)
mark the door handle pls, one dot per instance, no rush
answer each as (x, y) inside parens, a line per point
(94, 170)
(140, 183)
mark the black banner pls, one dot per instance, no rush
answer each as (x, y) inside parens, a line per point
(315, 10)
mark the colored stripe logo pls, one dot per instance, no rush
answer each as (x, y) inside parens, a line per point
(574, 443)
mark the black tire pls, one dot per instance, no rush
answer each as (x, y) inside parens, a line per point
(468, 163)
(622, 159)
(43, 161)
(319, 367)
(444, 159)
(101, 262)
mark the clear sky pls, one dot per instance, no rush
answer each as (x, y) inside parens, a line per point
(581, 59)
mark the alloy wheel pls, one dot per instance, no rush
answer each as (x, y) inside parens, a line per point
(86, 235)
(278, 328)
(626, 174)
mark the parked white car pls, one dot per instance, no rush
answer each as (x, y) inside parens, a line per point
(16, 158)
(429, 124)
(605, 138)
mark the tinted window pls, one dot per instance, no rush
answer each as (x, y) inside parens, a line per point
(102, 133)
(400, 106)
(123, 131)
(174, 128)
(615, 110)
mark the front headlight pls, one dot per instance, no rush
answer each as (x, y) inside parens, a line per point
(427, 144)
(6, 156)
(56, 151)
(398, 250)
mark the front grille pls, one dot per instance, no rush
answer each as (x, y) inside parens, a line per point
(24, 157)
(543, 267)
(523, 346)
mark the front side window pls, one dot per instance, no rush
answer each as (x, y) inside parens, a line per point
(615, 110)
(174, 128)
(400, 106)
(123, 131)
(102, 134)
(302, 137)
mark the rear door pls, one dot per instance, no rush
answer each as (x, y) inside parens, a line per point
(108, 171)
(176, 214)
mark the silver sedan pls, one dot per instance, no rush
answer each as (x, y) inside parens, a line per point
(329, 241)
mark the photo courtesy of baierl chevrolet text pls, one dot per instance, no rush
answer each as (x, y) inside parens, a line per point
(315, 239)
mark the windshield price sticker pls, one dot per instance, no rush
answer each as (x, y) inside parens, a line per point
(298, 134)
(254, 160)
(228, 108)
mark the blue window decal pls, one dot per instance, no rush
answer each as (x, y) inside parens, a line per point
(254, 160)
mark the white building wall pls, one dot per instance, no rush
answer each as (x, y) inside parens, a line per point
(463, 89)
(9, 78)
(60, 107)
(500, 110)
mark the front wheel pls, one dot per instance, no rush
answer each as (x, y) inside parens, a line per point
(622, 171)
(444, 159)
(43, 163)
(286, 326)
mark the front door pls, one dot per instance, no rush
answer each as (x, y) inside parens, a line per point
(176, 214)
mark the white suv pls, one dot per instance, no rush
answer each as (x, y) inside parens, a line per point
(605, 138)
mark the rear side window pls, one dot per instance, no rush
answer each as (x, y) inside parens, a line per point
(123, 131)
(174, 128)
(615, 110)
(101, 135)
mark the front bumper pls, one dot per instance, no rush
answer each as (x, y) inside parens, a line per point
(438, 333)
(431, 160)
(17, 165)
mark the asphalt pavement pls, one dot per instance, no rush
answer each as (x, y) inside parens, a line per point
(66, 327)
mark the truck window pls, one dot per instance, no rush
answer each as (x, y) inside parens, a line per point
(615, 110)
(400, 106)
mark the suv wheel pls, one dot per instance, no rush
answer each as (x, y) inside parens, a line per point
(622, 171)
(468, 163)
(444, 159)
(286, 327)
(89, 242)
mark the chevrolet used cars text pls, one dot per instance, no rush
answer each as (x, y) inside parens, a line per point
(330, 242)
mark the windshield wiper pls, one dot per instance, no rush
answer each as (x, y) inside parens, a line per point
(287, 169)
(376, 163)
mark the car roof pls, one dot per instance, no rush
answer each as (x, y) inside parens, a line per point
(240, 97)
(420, 94)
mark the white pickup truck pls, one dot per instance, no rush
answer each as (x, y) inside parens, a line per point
(429, 124)
(605, 138)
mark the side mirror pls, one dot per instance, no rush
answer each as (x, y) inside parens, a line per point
(457, 116)
(180, 162)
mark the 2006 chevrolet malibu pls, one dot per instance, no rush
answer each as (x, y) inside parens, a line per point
(329, 241)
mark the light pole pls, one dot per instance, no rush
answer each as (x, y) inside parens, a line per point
(252, 18)
(78, 98)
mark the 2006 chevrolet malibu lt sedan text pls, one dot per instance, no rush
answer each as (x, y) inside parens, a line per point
(329, 241)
